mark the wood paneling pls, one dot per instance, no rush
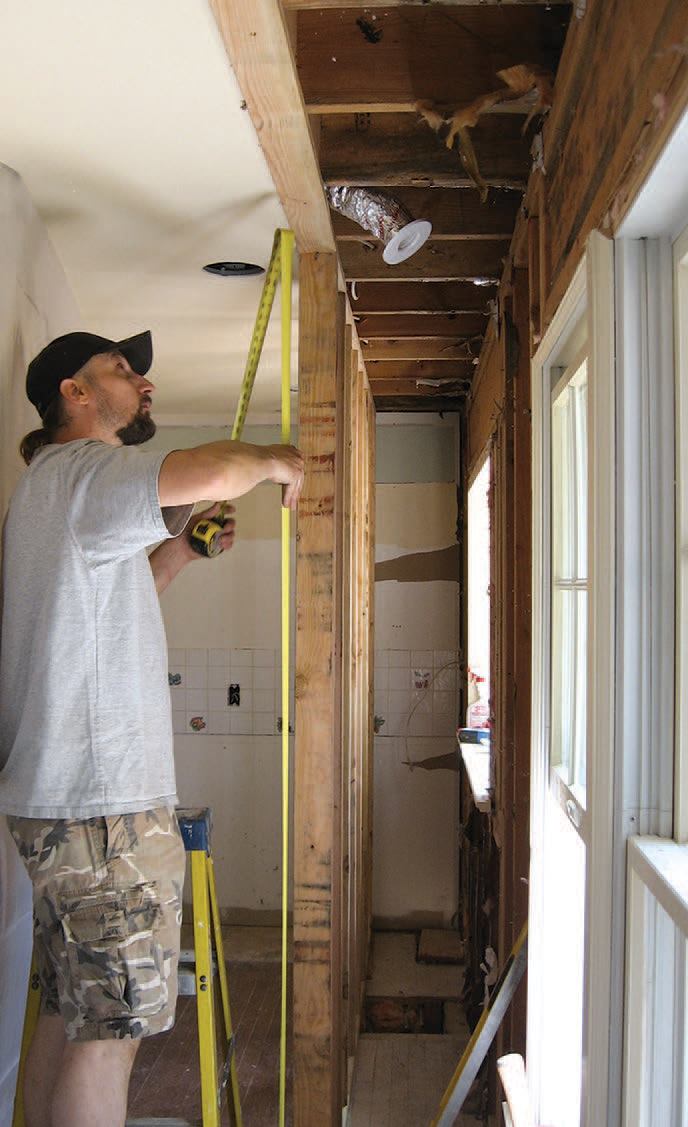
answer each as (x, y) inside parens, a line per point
(422, 297)
(444, 262)
(257, 43)
(400, 149)
(453, 213)
(423, 52)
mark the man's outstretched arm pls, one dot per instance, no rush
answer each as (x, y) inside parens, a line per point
(221, 471)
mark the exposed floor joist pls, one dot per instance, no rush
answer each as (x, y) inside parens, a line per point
(312, 5)
(453, 214)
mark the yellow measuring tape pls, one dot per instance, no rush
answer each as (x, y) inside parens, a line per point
(205, 539)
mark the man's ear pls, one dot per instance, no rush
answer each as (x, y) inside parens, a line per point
(74, 392)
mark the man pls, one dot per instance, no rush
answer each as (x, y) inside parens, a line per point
(86, 767)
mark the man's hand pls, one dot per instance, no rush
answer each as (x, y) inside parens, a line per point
(288, 472)
(229, 526)
(171, 556)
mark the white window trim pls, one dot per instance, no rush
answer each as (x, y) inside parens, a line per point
(591, 290)
(680, 277)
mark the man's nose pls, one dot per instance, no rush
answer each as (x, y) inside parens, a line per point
(146, 385)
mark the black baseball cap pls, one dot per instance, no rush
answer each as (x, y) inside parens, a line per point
(63, 357)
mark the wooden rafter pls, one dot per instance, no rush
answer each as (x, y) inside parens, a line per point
(313, 5)
(380, 370)
(450, 56)
(421, 297)
(400, 149)
(257, 43)
(438, 349)
(412, 326)
(438, 261)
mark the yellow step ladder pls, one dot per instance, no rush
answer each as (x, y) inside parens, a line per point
(206, 961)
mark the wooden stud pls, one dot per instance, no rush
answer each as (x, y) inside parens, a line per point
(317, 768)
(414, 326)
(441, 349)
(421, 297)
(454, 214)
(383, 370)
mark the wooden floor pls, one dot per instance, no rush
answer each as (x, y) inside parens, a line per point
(166, 1077)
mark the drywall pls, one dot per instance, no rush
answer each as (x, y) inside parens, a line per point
(416, 659)
(36, 305)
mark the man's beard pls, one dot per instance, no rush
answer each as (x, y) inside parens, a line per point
(139, 430)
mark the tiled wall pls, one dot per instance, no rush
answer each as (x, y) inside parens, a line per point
(416, 692)
(201, 688)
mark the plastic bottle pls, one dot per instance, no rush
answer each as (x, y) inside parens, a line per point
(478, 713)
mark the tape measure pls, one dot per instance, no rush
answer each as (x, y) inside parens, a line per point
(206, 534)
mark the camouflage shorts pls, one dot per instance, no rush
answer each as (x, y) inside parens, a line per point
(107, 896)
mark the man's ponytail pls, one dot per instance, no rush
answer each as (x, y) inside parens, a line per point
(54, 417)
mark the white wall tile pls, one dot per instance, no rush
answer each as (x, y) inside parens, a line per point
(218, 679)
(422, 705)
(382, 676)
(382, 659)
(443, 724)
(217, 700)
(176, 659)
(241, 657)
(445, 681)
(240, 724)
(399, 659)
(264, 659)
(263, 700)
(381, 703)
(218, 658)
(178, 722)
(263, 723)
(196, 657)
(400, 679)
(420, 724)
(196, 677)
(444, 703)
(246, 700)
(443, 657)
(398, 701)
(218, 724)
(242, 675)
(422, 659)
(178, 697)
(196, 700)
(263, 678)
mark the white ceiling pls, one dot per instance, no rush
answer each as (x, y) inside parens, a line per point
(124, 119)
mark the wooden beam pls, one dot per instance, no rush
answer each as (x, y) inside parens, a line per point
(437, 261)
(423, 52)
(317, 764)
(257, 43)
(317, 5)
(421, 297)
(454, 214)
(403, 395)
(419, 369)
(440, 349)
(401, 150)
(520, 107)
(410, 326)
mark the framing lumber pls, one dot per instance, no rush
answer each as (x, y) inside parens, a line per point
(401, 150)
(453, 214)
(439, 262)
(424, 298)
(424, 51)
(257, 42)
(313, 5)
(440, 349)
(406, 397)
(317, 768)
(414, 326)
(382, 370)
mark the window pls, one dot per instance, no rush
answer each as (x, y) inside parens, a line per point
(479, 555)
(569, 555)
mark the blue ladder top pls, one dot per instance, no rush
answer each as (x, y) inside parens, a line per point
(195, 825)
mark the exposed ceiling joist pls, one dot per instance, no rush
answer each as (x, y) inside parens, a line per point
(421, 297)
(313, 5)
(417, 52)
(520, 107)
(409, 326)
(439, 349)
(257, 43)
(459, 370)
(400, 150)
(440, 261)
(453, 214)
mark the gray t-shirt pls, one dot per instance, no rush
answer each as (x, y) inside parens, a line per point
(85, 722)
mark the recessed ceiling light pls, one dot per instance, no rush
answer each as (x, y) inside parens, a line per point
(233, 269)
